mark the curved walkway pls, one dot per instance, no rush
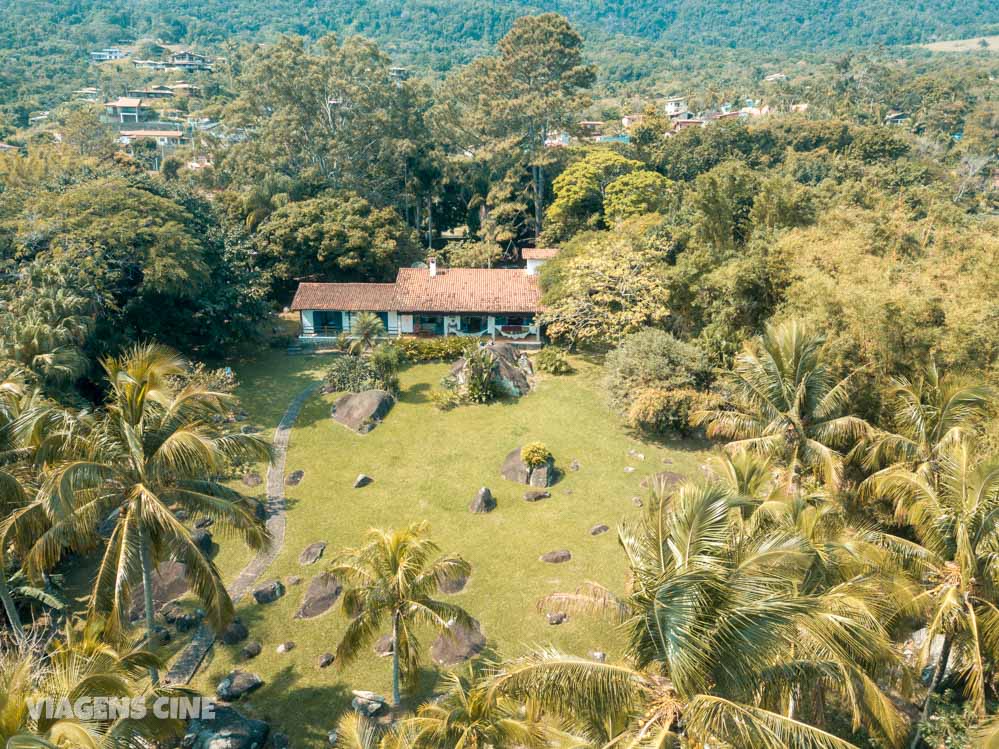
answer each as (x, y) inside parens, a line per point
(191, 657)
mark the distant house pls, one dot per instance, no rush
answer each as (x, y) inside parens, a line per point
(128, 109)
(493, 303)
(536, 257)
(188, 60)
(8, 148)
(87, 94)
(181, 88)
(630, 120)
(399, 74)
(150, 64)
(800, 108)
(558, 139)
(689, 122)
(591, 127)
(775, 78)
(35, 117)
(108, 53)
(896, 118)
(153, 92)
(164, 138)
(676, 108)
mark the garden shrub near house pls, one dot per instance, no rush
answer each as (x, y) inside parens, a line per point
(535, 454)
(552, 360)
(653, 359)
(480, 384)
(663, 411)
(423, 350)
(350, 374)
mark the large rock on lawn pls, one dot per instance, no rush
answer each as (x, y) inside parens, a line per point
(461, 644)
(362, 411)
(268, 592)
(483, 502)
(557, 557)
(236, 684)
(227, 730)
(515, 469)
(202, 538)
(662, 481)
(512, 371)
(169, 582)
(320, 596)
(312, 553)
(236, 632)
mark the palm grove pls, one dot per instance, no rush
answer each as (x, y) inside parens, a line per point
(816, 294)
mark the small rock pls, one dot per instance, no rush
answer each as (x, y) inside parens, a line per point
(383, 646)
(367, 703)
(189, 620)
(637, 501)
(182, 515)
(268, 592)
(172, 612)
(636, 455)
(326, 660)
(667, 461)
(661, 481)
(483, 502)
(250, 429)
(161, 636)
(598, 529)
(203, 523)
(312, 553)
(293, 580)
(332, 737)
(235, 632)
(261, 511)
(557, 617)
(251, 649)
(295, 478)
(536, 494)
(599, 656)
(252, 478)
(286, 647)
(556, 557)
(629, 469)
(236, 684)
(362, 480)
(574, 466)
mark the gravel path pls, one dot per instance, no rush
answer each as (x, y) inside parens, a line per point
(191, 657)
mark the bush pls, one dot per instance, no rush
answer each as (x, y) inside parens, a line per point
(663, 411)
(386, 361)
(535, 454)
(445, 399)
(350, 374)
(552, 360)
(221, 380)
(449, 348)
(653, 359)
(480, 385)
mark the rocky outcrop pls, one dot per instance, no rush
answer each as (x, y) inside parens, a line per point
(459, 645)
(363, 411)
(169, 582)
(557, 557)
(268, 592)
(368, 703)
(483, 502)
(236, 632)
(512, 371)
(236, 684)
(227, 730)
(312, 553)
(515, 469)
(362, 479)
(322, 593)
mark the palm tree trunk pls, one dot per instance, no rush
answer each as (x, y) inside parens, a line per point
(11, 610)
(938, 674)
(147, 591)
(396, 695)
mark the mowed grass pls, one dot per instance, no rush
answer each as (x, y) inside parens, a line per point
(427, 466)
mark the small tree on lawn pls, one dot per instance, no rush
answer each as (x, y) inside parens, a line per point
(393, 578)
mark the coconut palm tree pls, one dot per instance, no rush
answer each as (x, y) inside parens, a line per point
(154, 450)
(928, 414)
(355, 731)
(365, 332)
(724, 642)
(83, 663)
(783, 402)
(470, 714)
(394, 577)
(955, 516)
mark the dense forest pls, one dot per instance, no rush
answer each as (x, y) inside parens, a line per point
(799, 273)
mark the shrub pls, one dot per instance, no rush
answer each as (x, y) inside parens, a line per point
(449, 348)
(664, 410)
(480, 385)
(386, 361)
(652, 358)
(221, 380)
(535, 454)
(552, 360)
(445, 399)
(350, 374)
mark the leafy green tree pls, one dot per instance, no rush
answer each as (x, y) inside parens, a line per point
(484, 254)
(638, 193)
(537, 84)
(335, 235)
(152, 451)
(783, 402)
(580, 191)
(723, 201)
(394, 577)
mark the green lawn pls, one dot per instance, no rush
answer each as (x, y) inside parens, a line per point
(428, 465)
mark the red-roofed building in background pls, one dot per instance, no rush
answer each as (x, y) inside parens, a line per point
(128, 109)
(488, 303)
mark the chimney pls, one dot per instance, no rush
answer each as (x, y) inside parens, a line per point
(432, 262)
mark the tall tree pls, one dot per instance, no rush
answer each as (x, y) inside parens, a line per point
(515, 100)
(394, 576)
(154, 450)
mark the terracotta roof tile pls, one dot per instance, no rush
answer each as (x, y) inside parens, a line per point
(539, 253)
(466, 290)
(353, 297)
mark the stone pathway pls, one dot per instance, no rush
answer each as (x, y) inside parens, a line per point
(191, 657)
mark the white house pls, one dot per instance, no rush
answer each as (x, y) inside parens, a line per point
(495, 303)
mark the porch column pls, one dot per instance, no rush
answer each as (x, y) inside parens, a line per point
(491, 326)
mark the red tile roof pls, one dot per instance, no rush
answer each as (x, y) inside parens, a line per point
(353, 297)
(539, 253)
(124, 101)
(454, 290)
(466, 290)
